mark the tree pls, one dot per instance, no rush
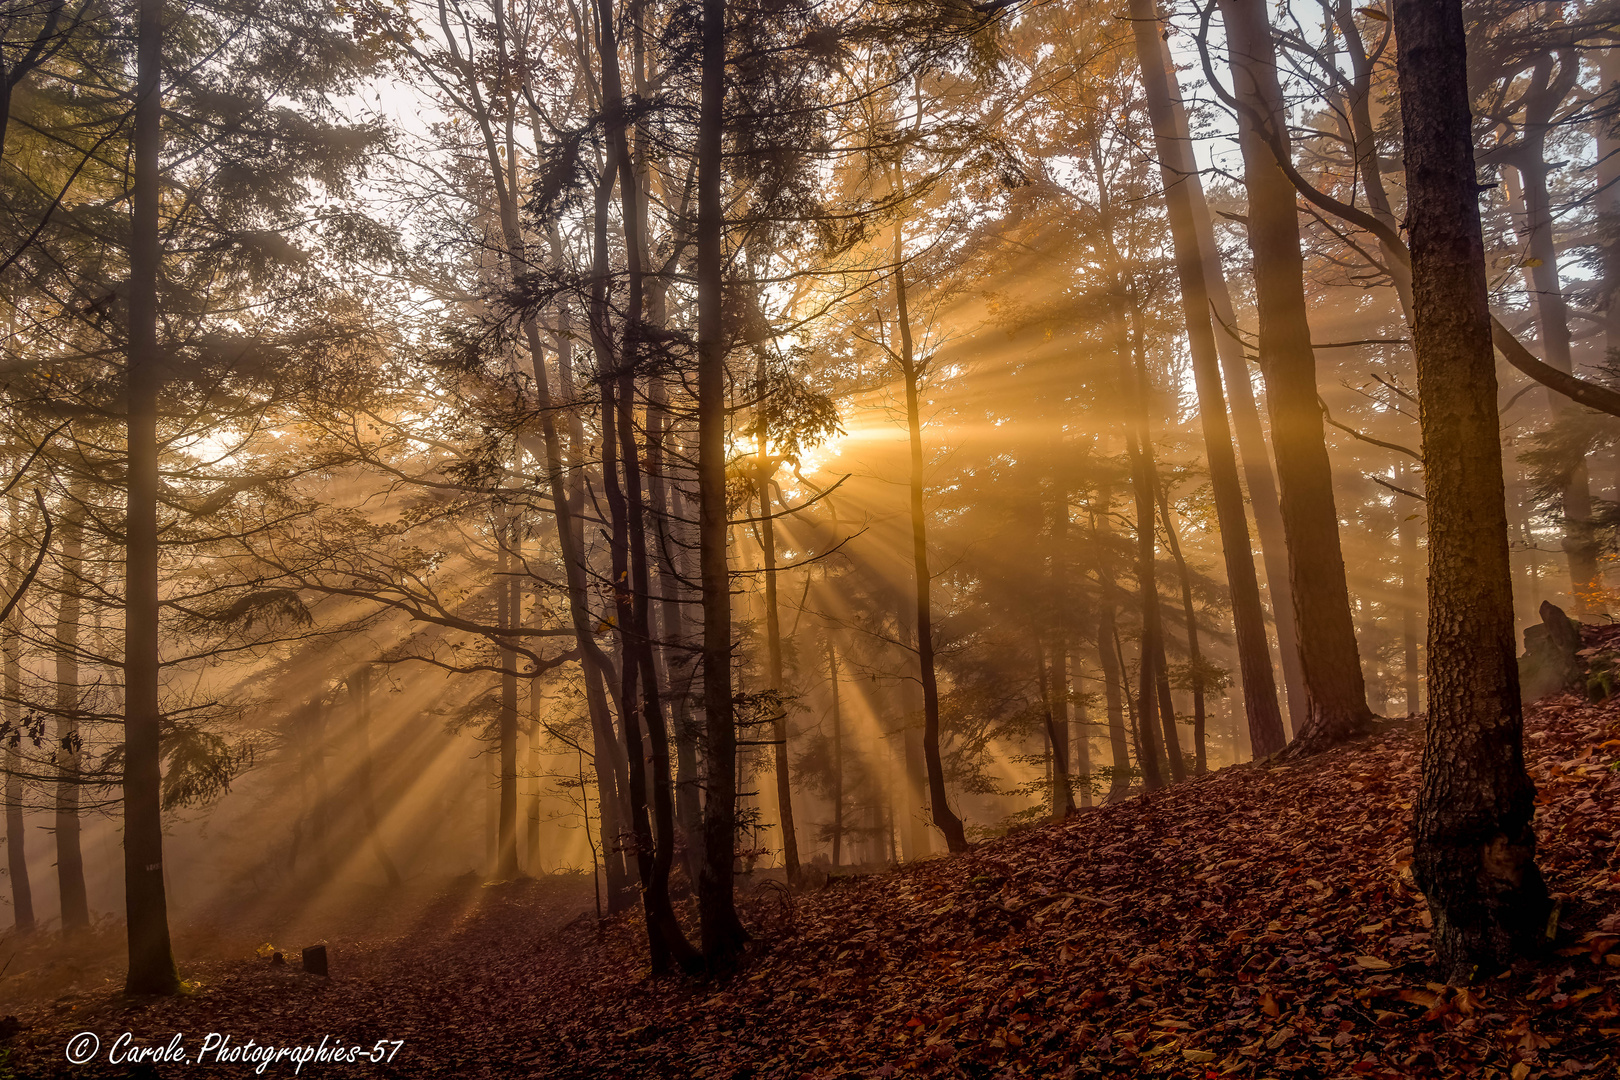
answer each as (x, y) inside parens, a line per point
(1336, 697)
(151, 959)
(723, 933)
(1254, 653)
(1474, 844)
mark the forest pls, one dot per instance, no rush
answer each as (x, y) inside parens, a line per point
(810, 538)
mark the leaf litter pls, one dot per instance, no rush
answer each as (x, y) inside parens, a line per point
(1258, 922)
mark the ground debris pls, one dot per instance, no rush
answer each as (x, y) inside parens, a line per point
(1259, 922)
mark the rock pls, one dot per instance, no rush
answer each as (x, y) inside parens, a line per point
(1550, 663)
(315, 960)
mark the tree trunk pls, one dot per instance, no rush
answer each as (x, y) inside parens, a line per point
(1248, 616)
(1195, 658)
(1474, 844)
(1365, 141)
(1336, 697)
(1133, 718)
(945, 819)
(773, 649)
(1148, 596)
(506, 592)
(723, 933)
(151, 959)
(1081, 727)
(1411, 586)
(1119, 781)
(22, 894)
(838, 753)
(662, 798)
(1154, 672)
(1547, 92)
(531, 814)
(1608, 210)
(1058, 702)
(1246, 425)
(69, 859)
(916, 839)
(1062, 795)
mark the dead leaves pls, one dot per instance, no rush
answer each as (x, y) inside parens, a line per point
(1262, 923)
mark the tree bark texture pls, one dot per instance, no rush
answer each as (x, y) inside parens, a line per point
(1474, 844)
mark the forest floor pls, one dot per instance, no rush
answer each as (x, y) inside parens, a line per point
(1257, 922)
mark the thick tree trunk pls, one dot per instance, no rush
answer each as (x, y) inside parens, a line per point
(151, 959)
(723, 933)
(1336, 697)
(69, 859)
(1248, 616)
(945, 819)
(1474, 844)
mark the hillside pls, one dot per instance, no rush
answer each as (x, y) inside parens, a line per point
(1257, 922)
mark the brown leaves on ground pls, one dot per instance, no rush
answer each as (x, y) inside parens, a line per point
(1260, 922)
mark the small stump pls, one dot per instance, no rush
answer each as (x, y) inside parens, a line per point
(315, 960)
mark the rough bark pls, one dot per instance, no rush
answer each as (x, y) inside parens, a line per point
(151, 958)
(1336, 698)
(1474, 844)
(1411, 592)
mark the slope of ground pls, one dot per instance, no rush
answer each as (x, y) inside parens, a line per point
(1260, 922)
